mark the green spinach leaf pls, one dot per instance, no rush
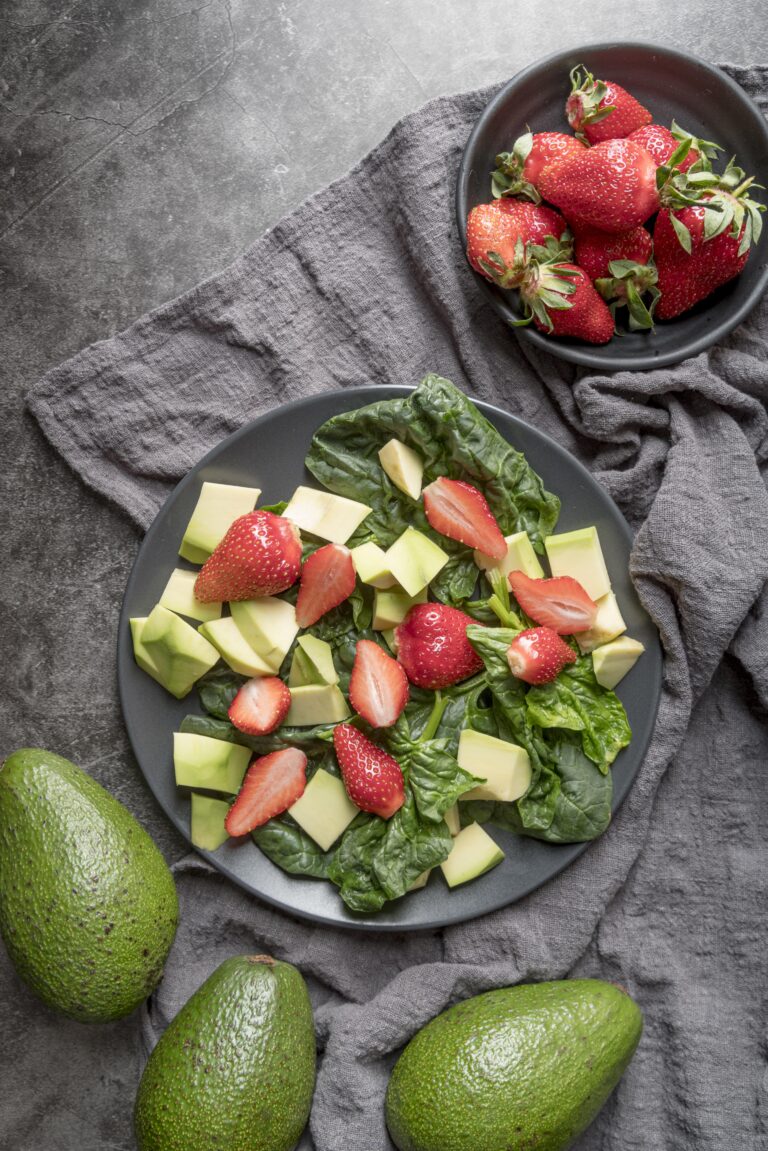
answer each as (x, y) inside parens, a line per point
(284, 842)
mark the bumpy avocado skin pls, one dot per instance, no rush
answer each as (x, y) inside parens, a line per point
(524, 1068)
(236, 1067)
(88, 907)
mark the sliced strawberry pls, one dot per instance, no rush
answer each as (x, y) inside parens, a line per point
(433, 648)
(259, 555)
(327, 579)
(378, 686)
(538, 655)
(271, 785)
(260, 706)
(458, 510)
(560, 603)
(373, 779)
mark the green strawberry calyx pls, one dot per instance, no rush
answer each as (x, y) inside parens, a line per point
(726, 208)
(545, 287)
(707, 149)
(626, 286)
(583, 104)
(507, 179)
(511, 275)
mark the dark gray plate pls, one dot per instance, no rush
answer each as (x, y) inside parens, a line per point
(269, 453)
(672, 85)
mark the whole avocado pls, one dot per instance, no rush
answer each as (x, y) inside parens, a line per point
(235, 1069)
(88, 907)
(514, 1069)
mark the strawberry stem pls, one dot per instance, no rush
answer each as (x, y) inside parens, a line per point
(435, 717)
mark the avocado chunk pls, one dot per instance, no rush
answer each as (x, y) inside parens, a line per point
(217, 508)
(473, 853)
(212, 764)
(371, 565)
(391, 607)
(175, 649)
(404, 466)
(330, 517)
(579, 555)
(139, 651)
(235, 1068)
(453, 820)
(505, 767)
(324, 810)
(227, 638)
(388, 635)
(613, 660)
(414, 560)
(316, 703)
(518, 1068)
(421, 880)
(179, 596)
(88, 907)
(608, 624)
(268, 625)
(312, 662)
(206, 823)
(520, 557)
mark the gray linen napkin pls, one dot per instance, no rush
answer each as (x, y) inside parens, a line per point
(366, 283)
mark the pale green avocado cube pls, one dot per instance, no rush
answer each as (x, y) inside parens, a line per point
(579, 555)
(330, 517)
(613, 660)
(473, 853)
(139, 654)
(212, 764)
(324, 810)
(520, 557)
(505, 767)
(414, 559)
(268, 625)
(206, 824)
(312, 662)
(175, 650)
(453, 819)
(609, 623)
(404, 466)
(179, 596)
(388, 635)
(391, 607)
(371, 565)
(421, 880)
(315, 704)
(217, 508)
(227, 638)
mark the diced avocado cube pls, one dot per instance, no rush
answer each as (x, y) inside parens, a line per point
(404, 466)
(505, 767)
(608, 624)
(421, 880)
(371, 565)
(312, 662)
(316, 704)
(217, 508)
(324, 810)
(613, 660)
(139, 654)
(206, 825)
(453, 819)
(414, 559)
(325, 515)
(175, 649)
(227, 638)
(520, 557)
(473, 853)
(578, 554)
(391, 607)
(211, 764)
(179, 596)
(268, 625)
(388, 635)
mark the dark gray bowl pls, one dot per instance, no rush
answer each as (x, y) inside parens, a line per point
(673, 85)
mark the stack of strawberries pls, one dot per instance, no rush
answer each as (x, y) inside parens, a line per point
(593, 247)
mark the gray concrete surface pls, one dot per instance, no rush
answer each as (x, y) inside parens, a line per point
(143, 145)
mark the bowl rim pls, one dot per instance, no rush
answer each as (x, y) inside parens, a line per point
(585, 355)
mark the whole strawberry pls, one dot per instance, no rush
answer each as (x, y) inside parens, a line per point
(499, 233)
(593, 250)
(611, 186)
(517, 172)
(433, 648)
(562, 301)
(260, 555)
(663, 142)
(600, 110)
(538, 655)
(373, 779)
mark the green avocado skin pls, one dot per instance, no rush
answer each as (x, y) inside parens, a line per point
(235, 1069)
(88, 907)
(524, 1068)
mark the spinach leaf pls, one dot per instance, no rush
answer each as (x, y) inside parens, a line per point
(309, 739)
(217, 689)
(284, 842)
(409, 847)
(435, 778)
(576, 701)
(351, 867)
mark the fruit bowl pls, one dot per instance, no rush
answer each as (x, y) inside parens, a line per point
(673, 85)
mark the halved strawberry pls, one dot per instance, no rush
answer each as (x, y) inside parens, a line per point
(259, 555)
(260, 706)
(378, 686)
(433, 648)
(458, 510)
(560, 603)
(538, 655)
(272, 784)
(327, 579)
(373, 779)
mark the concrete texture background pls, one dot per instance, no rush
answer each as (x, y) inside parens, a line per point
(143, 146)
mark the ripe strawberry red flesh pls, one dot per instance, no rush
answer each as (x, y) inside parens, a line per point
(373, 779)
(561, 301)
(594, 249)
(661, 143)
(378, 686)
(260, 705)
(458, 510)
(517, 172)
(260, 555)
(611, 186)
(272, 784)
(559, 603)
(327, 579)
(433, 648)
(601, 109)
(498, 234)
(538, 655)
